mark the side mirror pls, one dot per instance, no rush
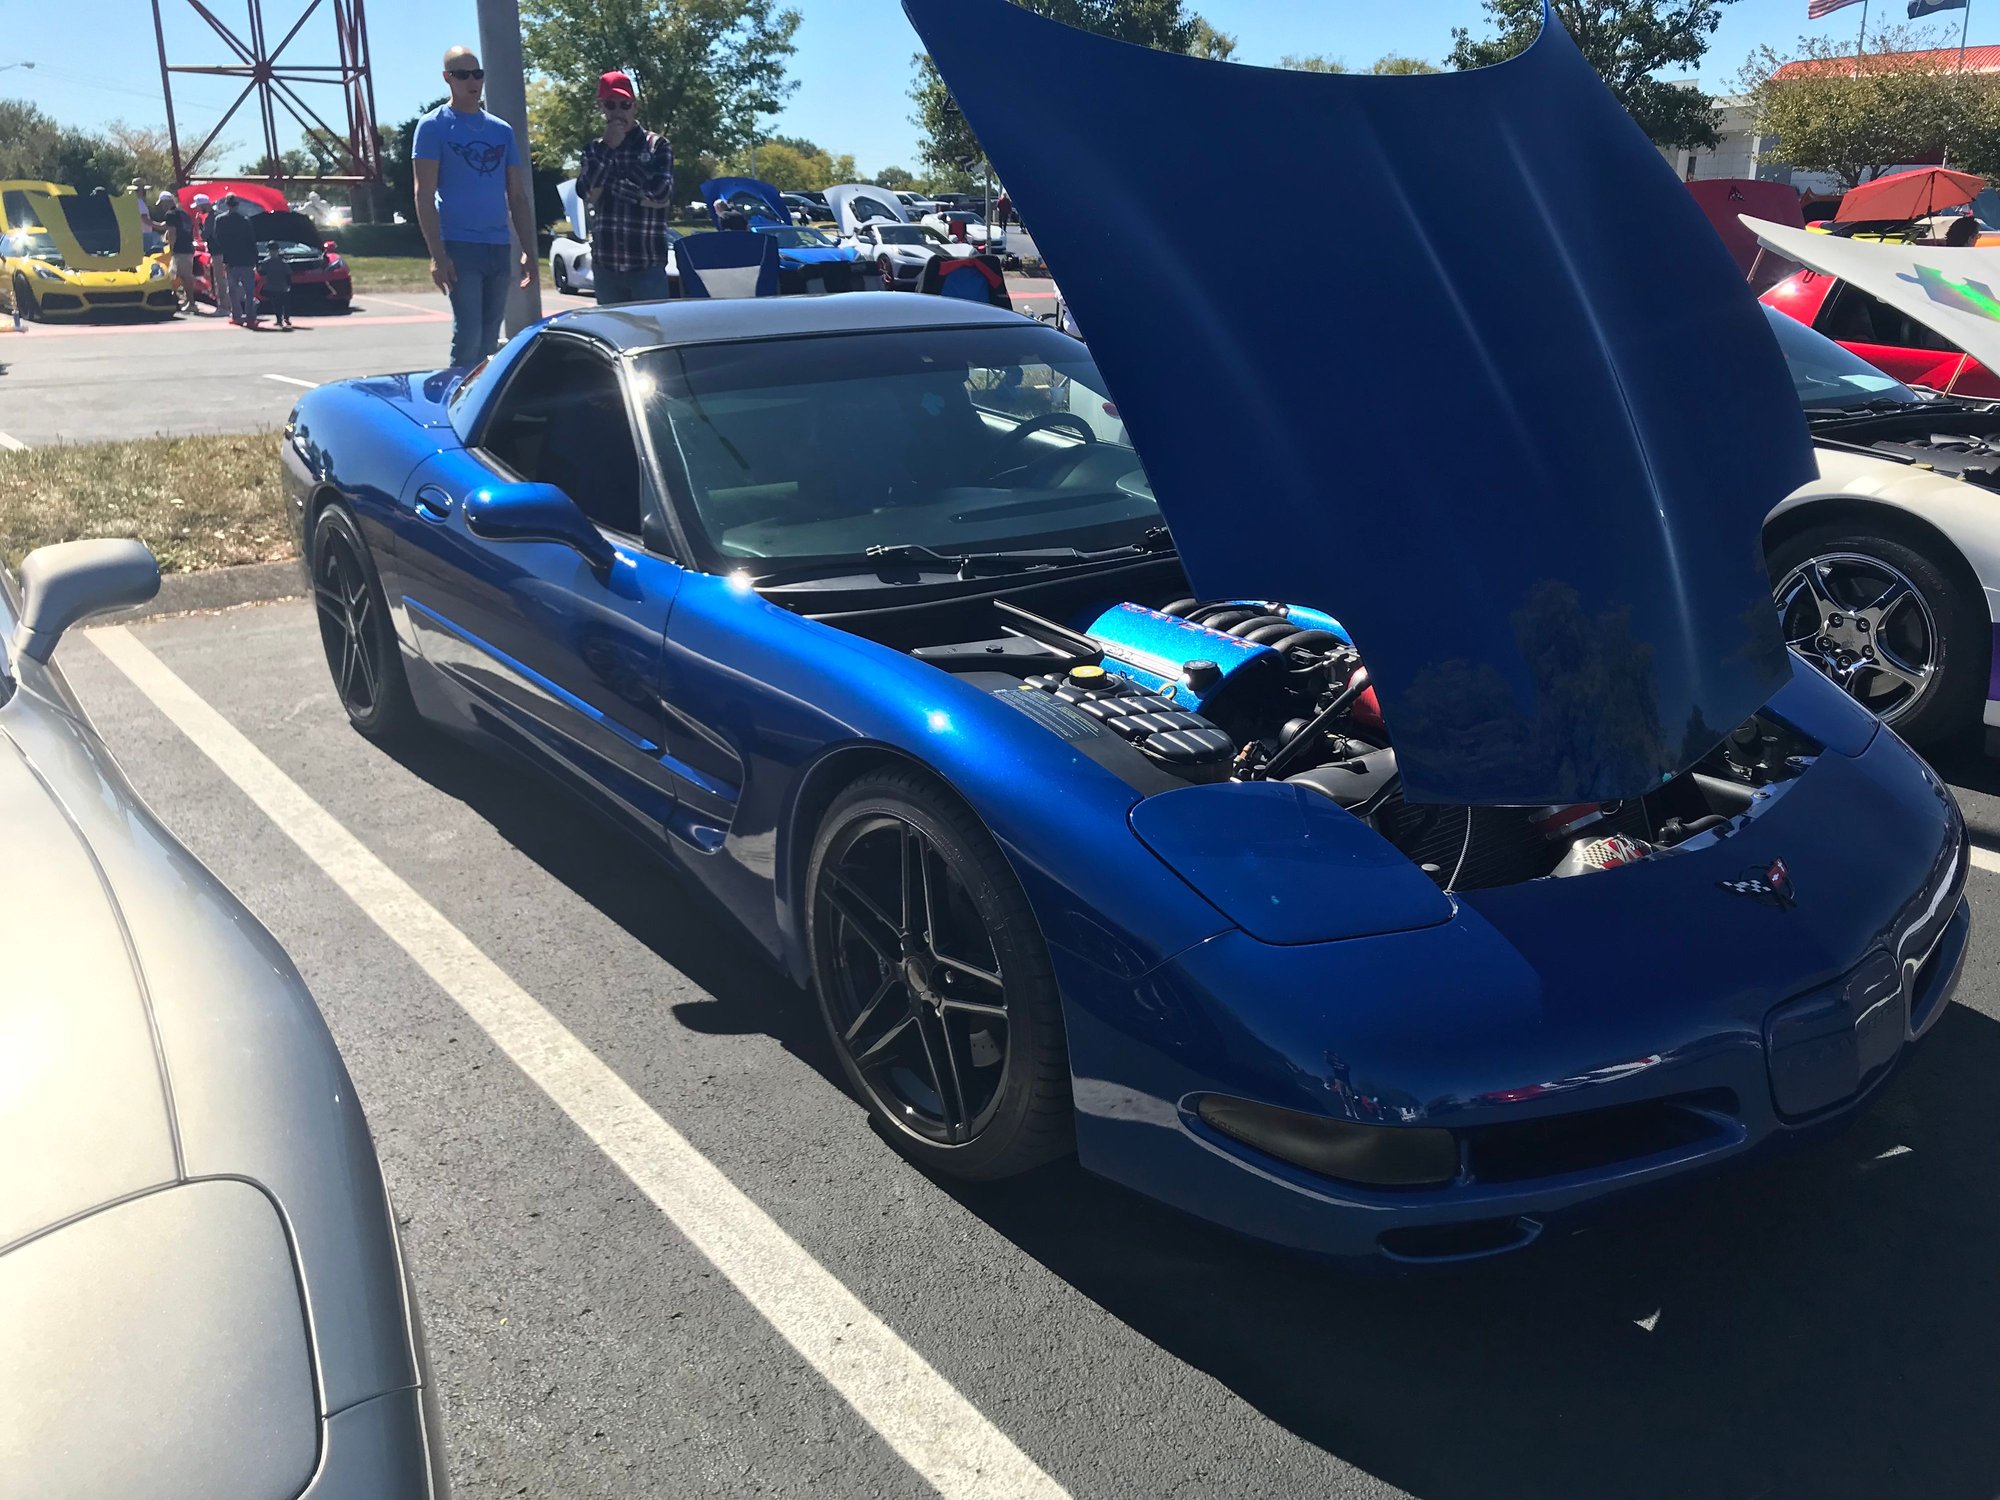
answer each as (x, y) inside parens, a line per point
(63, 583)
(536, 513)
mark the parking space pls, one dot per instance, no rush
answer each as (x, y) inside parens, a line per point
(607, 1319)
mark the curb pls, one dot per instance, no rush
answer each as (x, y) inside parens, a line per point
(217, 588)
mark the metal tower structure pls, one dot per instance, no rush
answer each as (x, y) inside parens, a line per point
(273, 80)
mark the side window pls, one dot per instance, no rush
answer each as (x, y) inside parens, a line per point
(1851, 316)
(562, 421)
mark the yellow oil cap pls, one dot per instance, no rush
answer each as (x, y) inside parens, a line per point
(1087, 676)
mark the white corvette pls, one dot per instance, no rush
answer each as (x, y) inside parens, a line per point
(872, 220)
(569, 254)
(1887, 567)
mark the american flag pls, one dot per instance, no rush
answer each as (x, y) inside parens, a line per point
(1819, 9)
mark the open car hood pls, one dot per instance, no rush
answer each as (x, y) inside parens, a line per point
(1952, 290)
(572, 207)
(856, 203)
(728, 189)
(288, 227)
(1540, 517)
(114, 239)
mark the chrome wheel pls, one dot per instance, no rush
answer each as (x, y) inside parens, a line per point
(347, 626)
(1866, 626)
(911, 980)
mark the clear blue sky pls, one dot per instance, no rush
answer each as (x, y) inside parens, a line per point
(96, 60)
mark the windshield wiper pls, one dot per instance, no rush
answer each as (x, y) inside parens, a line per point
(972, 564)
(968, 565)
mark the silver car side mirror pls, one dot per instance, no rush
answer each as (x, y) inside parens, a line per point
(63, 583)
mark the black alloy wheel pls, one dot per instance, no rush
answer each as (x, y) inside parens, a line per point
(562, 276)
(354, 628)
(24, 298)
(1887, 623)
(933, 981)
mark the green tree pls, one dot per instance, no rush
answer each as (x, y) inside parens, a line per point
(1395, 64)
(1206, 41)
(1627, 41)
(896, 179)
(1388, 63)
(1312, 63)
(1854, 117)
(947, 145)
(706, 70)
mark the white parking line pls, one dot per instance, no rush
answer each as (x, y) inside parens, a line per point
(1985, 859)
(918, 1413)
(12, 444)
(294, 380)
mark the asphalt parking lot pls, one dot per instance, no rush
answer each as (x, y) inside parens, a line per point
(89, 382)
(606, 1319)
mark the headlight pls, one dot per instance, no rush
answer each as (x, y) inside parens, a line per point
(46, 273)
(1374, 1155)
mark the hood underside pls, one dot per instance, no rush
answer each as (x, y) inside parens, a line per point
(855, 203)
(1952, 290)
(763, 199)
(1473, 436)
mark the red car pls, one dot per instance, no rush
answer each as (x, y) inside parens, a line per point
(1892, 341)
(320, 279)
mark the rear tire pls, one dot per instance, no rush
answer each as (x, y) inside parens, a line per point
(1932, 642)
(933, 981)
(360, 643)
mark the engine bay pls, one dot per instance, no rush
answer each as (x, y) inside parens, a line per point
(1197, 692)
(1953, 438)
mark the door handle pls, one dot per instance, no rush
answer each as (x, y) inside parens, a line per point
(433, 504)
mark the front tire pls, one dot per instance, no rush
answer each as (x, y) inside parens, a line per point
(933, 980)
(888, 270)
(354, 629)
(562, 277)
(1888, 621)
(24, 299)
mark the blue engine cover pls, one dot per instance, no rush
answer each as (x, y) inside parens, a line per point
(1151, 648)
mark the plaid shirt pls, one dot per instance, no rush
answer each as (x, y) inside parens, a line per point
(630, 189)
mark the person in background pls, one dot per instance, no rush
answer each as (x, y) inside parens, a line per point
(1964, 231)
(178, 231)
(277, 284)
(233, 241)
(471, 180)
(627, 177)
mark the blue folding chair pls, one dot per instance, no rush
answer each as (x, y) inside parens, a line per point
(728, 263)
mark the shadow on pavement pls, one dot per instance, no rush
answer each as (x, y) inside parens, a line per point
(617, 874)
(1822, 1325)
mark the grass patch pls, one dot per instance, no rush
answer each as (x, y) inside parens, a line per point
(198, 502)
(402, 273)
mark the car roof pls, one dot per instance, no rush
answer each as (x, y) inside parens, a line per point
(715, 320)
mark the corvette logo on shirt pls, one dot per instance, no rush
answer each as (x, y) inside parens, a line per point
(484, 157)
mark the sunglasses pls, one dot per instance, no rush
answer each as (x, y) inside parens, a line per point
(617, 105)
(462, 74)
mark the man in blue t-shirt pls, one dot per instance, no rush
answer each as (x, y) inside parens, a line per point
(471, 178)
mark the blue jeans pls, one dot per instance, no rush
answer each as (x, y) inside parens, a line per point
(242, 283)
(478, 298)
(649, 285)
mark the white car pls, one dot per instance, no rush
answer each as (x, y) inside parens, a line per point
(871, 219)
(915, 205)
(1887, 567)
(569, 254)
(977, 232)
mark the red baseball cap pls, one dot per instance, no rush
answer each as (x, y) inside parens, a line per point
(613, 85)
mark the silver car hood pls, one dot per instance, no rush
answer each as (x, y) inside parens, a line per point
(153, 1036)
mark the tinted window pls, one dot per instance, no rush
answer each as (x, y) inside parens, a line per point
(1852, 316)
(824, 447)
(561, 421)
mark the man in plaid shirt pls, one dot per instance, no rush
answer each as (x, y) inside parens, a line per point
(628, 181)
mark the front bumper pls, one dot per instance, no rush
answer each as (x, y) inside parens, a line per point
(1572, 1064)
(63, 300)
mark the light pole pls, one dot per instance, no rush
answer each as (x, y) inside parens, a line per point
(507, 97)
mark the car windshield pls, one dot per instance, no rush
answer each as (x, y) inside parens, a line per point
(1825, 375)
(902, 234)
(795, 237)
(957, 439)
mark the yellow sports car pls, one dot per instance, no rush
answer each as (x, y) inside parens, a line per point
(65, 253)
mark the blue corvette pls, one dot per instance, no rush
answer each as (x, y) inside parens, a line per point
(1401, 930)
